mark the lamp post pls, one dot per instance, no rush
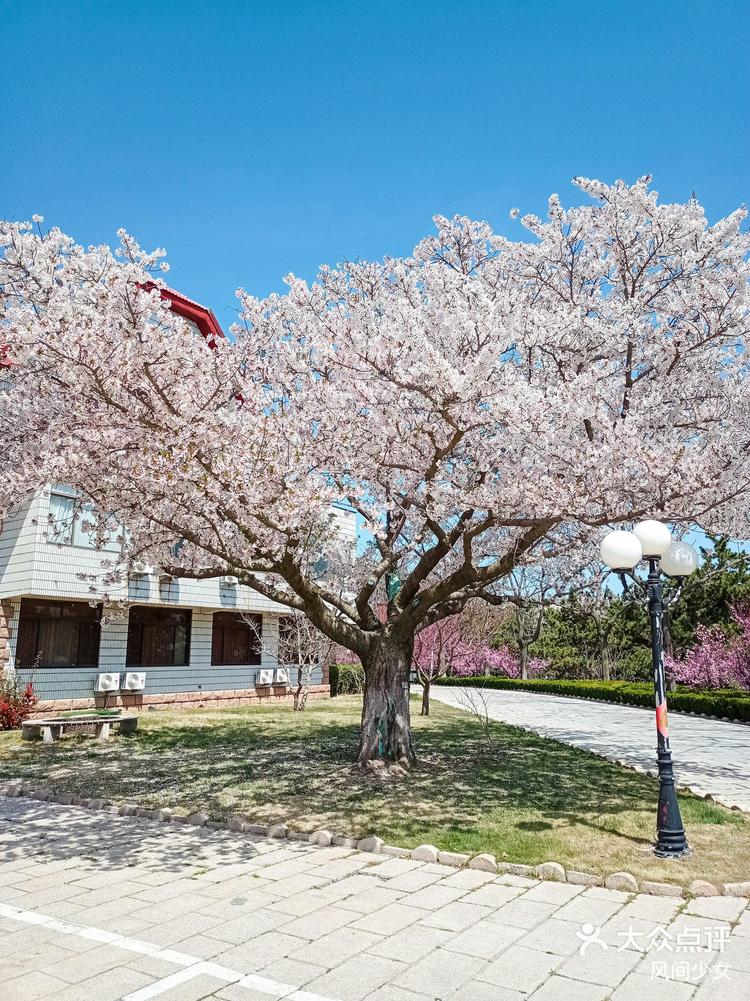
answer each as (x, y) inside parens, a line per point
(621, 552)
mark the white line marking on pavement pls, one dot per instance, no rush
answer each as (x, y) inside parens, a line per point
(192, 965)
(165, 984)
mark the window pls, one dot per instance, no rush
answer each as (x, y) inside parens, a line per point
(236, 638)
(59, 633)
(158, 637)
(67, 518)
(61, 516)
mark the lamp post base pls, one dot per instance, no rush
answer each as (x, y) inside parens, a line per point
(676, 850)
(671, 841)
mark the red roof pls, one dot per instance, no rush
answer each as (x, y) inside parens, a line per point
(201, 316)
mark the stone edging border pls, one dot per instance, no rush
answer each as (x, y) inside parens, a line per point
(484, 862)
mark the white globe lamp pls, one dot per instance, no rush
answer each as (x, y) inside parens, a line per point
(654, 537)
(620, 550)
(679, 560)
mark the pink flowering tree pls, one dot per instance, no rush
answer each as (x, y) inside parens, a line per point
(448, 647)
(459, 644)
(716, 660)
(482, 404)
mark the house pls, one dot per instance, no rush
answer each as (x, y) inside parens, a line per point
(174, 642)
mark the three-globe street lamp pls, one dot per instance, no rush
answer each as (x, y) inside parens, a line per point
(621, 552)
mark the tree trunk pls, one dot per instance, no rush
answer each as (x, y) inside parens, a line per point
(523, 652)
(386, 730)
(666, 634)
(426, 698)
(300, 692)
(604, 653)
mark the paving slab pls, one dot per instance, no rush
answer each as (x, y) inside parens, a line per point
(203, 913)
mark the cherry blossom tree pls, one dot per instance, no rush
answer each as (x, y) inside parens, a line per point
(483, 404)
(460, 644)
(717, 660)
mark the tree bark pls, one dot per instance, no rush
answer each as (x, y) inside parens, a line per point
(425, 698)
(604, 654)
(523, 653)
(386, 728)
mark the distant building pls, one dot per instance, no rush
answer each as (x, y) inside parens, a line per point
(180, 642)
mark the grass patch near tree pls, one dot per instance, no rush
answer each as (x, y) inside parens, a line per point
(531, 800)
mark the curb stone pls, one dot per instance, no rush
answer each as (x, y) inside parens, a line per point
(624, 881)
(373, 844)
(550, 870)
(702, 888)
(425, 853)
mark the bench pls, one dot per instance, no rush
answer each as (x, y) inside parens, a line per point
(52, 729)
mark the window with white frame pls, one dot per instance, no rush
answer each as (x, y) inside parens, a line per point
(71, 521)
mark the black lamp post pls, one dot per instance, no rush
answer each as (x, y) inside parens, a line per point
(622, 551)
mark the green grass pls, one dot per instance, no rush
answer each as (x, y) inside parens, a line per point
(732, 703)
(530, 800)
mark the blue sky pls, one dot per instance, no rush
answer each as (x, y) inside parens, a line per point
(253, 139)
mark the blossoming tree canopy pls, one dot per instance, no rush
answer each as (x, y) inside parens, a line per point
(480, 404)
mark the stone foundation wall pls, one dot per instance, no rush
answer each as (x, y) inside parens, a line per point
(177, 700)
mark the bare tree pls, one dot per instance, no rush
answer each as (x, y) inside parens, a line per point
(474, 700)
(300, 649)
(528, 589)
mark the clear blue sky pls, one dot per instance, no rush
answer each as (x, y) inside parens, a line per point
(252, 139)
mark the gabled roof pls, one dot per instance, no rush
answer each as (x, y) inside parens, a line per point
(201, 316)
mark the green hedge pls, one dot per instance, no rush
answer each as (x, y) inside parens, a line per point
(732, 703)
(347, 679)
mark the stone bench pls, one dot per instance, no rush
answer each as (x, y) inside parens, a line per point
(52, 729)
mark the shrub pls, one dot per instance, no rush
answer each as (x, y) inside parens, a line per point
(732, 703)
(347, 679)
(16, 704)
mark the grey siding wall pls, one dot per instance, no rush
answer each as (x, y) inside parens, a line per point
(199, 676)
(31, 566)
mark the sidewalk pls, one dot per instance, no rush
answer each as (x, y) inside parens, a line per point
(709, 756)
(98, 908)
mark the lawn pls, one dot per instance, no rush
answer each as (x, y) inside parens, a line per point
(529, 800)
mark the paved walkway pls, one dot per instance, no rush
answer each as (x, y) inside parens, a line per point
(100, 908)
(709, 756)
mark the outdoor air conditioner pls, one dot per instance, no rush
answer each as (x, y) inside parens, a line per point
(282, 676)
(107, 682)
(134, 682)
(263, 678)
(140, 569)
(229, 581)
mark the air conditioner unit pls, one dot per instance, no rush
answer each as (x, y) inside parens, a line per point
(140, 569)
(134, 682)
(229, 581)
(263, 678)
(281, 677)
(107, 682)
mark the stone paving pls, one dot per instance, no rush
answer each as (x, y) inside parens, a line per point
(99, 908)
(710, 756)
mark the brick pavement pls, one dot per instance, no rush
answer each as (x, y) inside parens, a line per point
(101, 908)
